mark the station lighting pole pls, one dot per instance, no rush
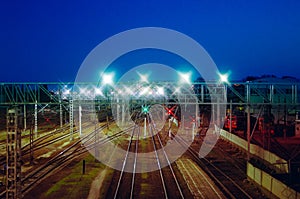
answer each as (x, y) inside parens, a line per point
(185, 78)
(107, 79)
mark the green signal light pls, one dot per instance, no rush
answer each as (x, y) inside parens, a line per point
(145, 109)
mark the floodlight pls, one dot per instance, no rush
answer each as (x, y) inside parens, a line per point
(160, 91)
(185, 78)
(107, 78)
(224, 78)
(98, 91)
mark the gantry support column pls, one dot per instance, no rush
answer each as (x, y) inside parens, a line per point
(35, 120)
(60, 114)
(13, 154)
(71, 119)
(230, 117)
(79, 119)
(123, 111)
(248, 120)
(25, 117)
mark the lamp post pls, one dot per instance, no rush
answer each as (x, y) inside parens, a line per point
(185, 79)
(107, 79)
(223, 78)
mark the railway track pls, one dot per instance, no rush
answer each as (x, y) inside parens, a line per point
(226, 183)
(26, 147)
(43, 141)
(63, 158)
(129, 163)
(161, 183)
(171, 186)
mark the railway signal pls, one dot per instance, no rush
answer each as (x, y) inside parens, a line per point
(145, 109)
(170, 111)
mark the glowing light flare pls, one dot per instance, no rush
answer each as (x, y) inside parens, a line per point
(224, 78)
(85, 92)
(143, 77)
(107, 78)
(82, 91)
(128, 91)
(98, 92)
(145, 91)
(177, 90)
(160, 91)
(185, 78)
(67, 92)
(145, 109)
(170, 111)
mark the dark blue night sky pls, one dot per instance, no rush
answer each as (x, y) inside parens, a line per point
(47, 41)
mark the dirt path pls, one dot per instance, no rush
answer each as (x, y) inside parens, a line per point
(97, 185)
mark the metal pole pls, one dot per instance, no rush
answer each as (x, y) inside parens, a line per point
(60, 114)
(218, 114)
(118, 109)
(293, 95)
(248, 120)
(123, 111)
(248, 131)
(107, 119)
(296, 97)
(170, 130)
(71, 119)
(202, 93)
(185, 102)
(25, 118)
(213, 114)
(31, 142)
(145, 127)
(35, 120)
(197, 115)
(248, 93)
(182, 122)
(271, 93)
(230, 117)
(97, 155)
(79, 119)
(193, 130)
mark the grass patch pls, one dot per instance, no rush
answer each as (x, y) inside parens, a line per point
(76, 184)
(144, 175)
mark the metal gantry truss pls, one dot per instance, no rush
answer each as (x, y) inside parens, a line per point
(240, 92)
(56, 95)
(282, 99)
